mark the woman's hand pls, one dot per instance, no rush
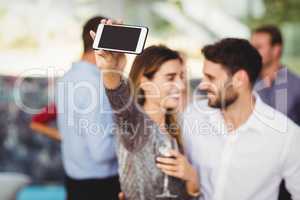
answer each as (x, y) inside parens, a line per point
(111, 64)
(108, 60)
(177, 166)
(121, 196)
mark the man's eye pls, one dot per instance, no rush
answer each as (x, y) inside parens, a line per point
(170, 78)
(182, 76)
(208, 78)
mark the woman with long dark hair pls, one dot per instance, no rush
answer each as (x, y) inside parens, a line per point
(146, 106)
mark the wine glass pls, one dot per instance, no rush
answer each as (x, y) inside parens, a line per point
(163, 151)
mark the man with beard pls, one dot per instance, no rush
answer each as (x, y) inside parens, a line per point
(241, 147)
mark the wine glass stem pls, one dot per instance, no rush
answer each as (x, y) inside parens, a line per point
(166, 182)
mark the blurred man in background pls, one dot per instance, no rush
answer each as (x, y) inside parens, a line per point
(277, 86)
(86, 127)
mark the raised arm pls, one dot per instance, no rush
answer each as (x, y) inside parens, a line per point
(111, 64)
(134, 125)
(129, 118)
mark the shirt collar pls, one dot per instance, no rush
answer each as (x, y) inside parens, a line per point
(281, 78)
(265, 116)
(253, 124)
(87, 65)
(282, 75)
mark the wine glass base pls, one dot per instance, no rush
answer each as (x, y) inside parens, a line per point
(166, 195)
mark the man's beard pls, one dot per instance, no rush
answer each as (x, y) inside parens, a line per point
(224, 98)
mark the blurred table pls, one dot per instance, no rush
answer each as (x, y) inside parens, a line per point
(11, 183)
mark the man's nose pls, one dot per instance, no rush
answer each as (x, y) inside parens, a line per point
(181, 84)
(204, 85)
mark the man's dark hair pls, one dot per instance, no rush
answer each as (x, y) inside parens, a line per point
(91, 24)
(234, 55)
(273, 31)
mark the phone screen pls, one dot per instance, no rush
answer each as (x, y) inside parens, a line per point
(121, 38)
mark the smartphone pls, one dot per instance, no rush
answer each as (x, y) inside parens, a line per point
(121, 38)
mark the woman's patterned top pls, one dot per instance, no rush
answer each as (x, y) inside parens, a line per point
(138, 141)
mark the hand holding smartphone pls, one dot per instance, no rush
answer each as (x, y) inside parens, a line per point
(120, 38)
(111, 42)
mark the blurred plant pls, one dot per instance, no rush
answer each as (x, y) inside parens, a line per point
(281, 11)
(278, 12)
(24, 42)
(148, 17)
(178, 3)
(2, 12)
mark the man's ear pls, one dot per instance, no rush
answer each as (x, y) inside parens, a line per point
(240, 78)
(277, 50)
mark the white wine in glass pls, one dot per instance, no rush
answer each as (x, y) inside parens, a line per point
(163, 151)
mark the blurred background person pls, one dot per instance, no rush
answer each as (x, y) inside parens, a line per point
(88, 142)
(277, 86)
(40, 122)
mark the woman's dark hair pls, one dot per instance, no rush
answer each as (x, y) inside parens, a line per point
(234, 55)
(147, 64)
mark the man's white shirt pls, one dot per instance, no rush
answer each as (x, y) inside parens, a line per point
(247, 164)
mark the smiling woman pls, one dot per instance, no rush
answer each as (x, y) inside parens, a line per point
(145, 108)
(157, 80)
